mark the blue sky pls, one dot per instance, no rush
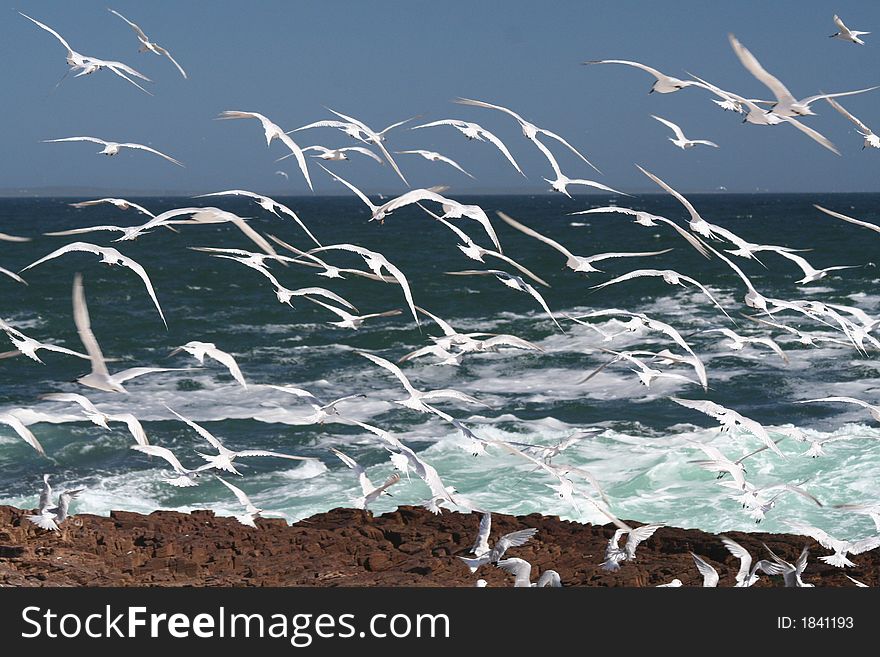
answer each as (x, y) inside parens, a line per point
(385, 61)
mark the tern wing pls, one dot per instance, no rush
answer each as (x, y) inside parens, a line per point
(84, 328)
(672, 126)
(481, 544)
(50, 31)
(18, 426)
(710, 575)
(204, 433)
(753, 66)
(153, 151)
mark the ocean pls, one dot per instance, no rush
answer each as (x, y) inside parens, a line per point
(642, 453)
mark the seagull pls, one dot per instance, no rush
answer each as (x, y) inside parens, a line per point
(669, 276)
(29, 346)
(405, 459)
(816, 448)
(873, 410)
(856, 582)
(370, 492)
(432, 156)
(323, 410)
(147, 45)
(224, 458)
(857, 222)
(121, 203)
(730, 102)
(283, 174)
(514, 282)
(738, 342)
(87, 65)
(512, 539)
(14, 423)
(481, 543)
(646, 374)
(50, 518)
(574, 262)
(353, 128)
(699, 225)
(211, 215)
(99, 417)
(759, 508)
(746, 575)
(871, 139)
(476, 252)
(99, 378)
(646, 219)
(710, 575)
(111, 257)
(370, 136)
(845, 34)
(614, 554)
(129, 233)
(451, 209)
(841, 548)
(680, 140)
(256, 261)
(718, 462)
(522, 571)
(730, 420)
(561, 182)
(337, 154)
(757, 115)
(350, 321)
(417, 398)
(791, 573)
(474, 131)
(330, 271)
(377, 262)
(752, 298)
(272, 131)
(868, 323)
(112, 147)
(548, 453)
(268, 204)
(811, 274)
(786, 104)
(856, 333)
(530, 130)
(564, 486)
(675, 583)
(464, 343)
(185, 478)
(251, 513)
(199, 350)
(45, 496)
(665, 84)
(639, 320)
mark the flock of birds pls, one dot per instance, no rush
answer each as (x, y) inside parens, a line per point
(572, 483)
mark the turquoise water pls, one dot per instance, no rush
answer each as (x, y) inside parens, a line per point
(641, 455)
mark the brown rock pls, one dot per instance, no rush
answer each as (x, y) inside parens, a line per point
(348, 547)
(377, 562)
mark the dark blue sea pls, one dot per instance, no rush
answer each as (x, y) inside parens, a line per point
(642, 453)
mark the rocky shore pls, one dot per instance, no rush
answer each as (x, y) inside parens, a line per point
(347, 547)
